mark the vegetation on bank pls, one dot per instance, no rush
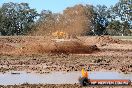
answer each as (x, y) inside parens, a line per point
(20, 19)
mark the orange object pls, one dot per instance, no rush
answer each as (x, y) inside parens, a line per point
(59, 34)
(84, 74)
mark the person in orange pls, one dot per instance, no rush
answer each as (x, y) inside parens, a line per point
(84, 73)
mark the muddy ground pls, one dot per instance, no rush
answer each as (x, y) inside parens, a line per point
(112, 55)
(60, 86)
(47, 63)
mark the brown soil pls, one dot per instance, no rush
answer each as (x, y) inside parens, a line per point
(6, 48)
(47, 63)
(60, 86)
(27, 53)
(34, 45)
(100, 40)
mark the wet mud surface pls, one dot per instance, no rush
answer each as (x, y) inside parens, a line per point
(19, 77)
(48, 63)
(26, 54)
(60, 86)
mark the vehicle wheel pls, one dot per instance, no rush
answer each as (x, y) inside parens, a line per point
(83, 81)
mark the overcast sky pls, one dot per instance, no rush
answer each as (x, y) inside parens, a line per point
(59, 5)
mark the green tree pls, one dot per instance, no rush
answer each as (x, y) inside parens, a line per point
(45, 24)
(123, 12)
(2, 23)
(114, 28)
(0, 20)
(18, 18)
(100, 19)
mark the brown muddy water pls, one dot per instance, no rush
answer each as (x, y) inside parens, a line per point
(21, 77)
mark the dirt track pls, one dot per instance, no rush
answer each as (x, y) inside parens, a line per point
(48, 63)
(112, 55)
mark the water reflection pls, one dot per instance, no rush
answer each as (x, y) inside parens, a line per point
(55, 77)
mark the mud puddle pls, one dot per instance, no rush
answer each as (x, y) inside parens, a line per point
(12, 78)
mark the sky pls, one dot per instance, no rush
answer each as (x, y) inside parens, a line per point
(59, 5)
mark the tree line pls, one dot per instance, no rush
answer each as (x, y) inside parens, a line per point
(16, 19)
(20, 19)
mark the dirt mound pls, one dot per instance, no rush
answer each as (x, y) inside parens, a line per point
(6, 48)
(21, 45)
(106, 39)
(99, 40)
(74, 47)
(11, 40)
(57, 46)
(35, 48)
(21, 39)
